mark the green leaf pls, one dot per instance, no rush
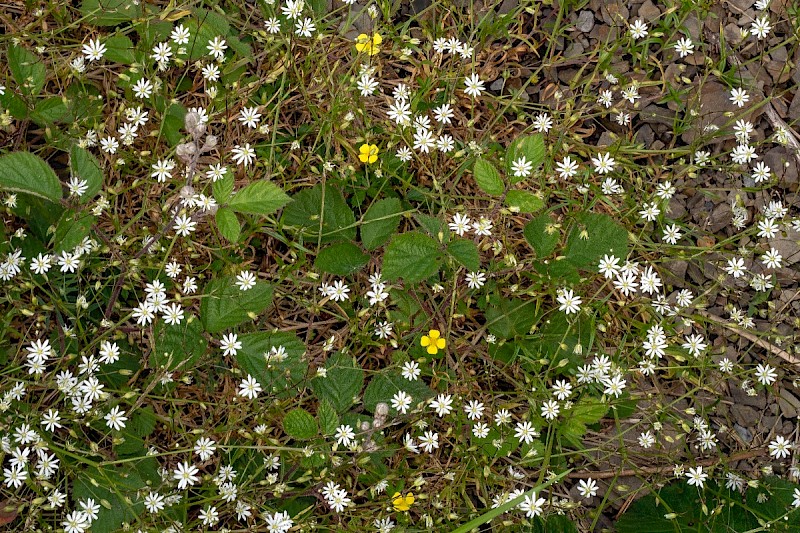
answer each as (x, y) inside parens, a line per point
(321, 213)
(110, 12)
(223, 187)
(172, 124)
(380, 221)
(300, 424)
(225, 305)
(509, 318)
(84, 166)
(277, 378)
(228, 224)
(434, 226)
(593, 236)
(385, 385)
(50, 111)
(586, 411)
(71, 230)
(115, 489)
(525, 201)
(341, 259)
(15, 105)
(411, 256)
(342, 384)
(488, 178)
(178, 346)
(119, 49)
(465, 252)
(28, 173)
(259, 198)
(27, 69)
(542, 235)
(530, 146)
(328, 418)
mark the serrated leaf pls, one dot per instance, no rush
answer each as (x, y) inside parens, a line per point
(328, 418)
(342, 383)
(341, 259)
(27, 69)
(541, 235)
(28, 173)
(300, 424)
(228, 224)
(510, 318)
(525, 201)
(531, 147)
(119, 49)
(223, 187)
(380, 222)
(84, 166)
(465, 252)
(225, 305)
(593, 236)
(277, 378)
(321, 213)
(382, 387)
(50, 111)
(178, 346)
(488, 178)
(71, 230)
(259, 198)
(411, 256)
(110, 12)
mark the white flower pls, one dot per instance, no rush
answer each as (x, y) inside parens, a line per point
(305, 27)
(739, 97)
(411, 370)
(249, 387)
(115, 419)
(567, 168)
(638, 29)
(344, 435)
(245, 280)
(765, 374)
(230, 344)
(761, 172)
(204, 447)
(401, 401)
(483, 227)
(77, 186)
(475, 280)
(243, 155)
(273, 25)
(429, 441)
(521, 167)
(338, 291)
(95, 50)
(474, 409)
(614, 385)
(587, 488)
(603, 163)
(179, 35)
(550, 409)
(216, 47)
(293, 8)
(684, 46)
(760, 27)
(460, 224)
(184, 225)
(569, 303)
(143, 88)
(75, 522)
(186, 475)
(532, 506)
(696, 477)
(772, 259)
(442, 404)
(474, 85)
(780, 447)
(173, 314)
(525, 432)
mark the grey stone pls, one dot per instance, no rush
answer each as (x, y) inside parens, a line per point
(497, 85)
(645, 135)
(788, 246)
(744, 415)
(740, 397)
(693, 25)
(585, 21)
(654, 114)
(743, 433)
(575, 49)
(649, 11)
(788, 403)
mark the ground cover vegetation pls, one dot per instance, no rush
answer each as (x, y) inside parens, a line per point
(385, 266)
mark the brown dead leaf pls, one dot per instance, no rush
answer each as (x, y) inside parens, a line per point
(8, 512)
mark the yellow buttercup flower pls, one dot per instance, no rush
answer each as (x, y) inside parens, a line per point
(433, 341)
(368, 153)
(402, 503)
(369, 44)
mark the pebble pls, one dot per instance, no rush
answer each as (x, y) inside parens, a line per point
(649, 12)
(585, 21)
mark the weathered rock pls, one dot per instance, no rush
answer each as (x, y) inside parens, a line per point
(788, 403)
(744, 415)
(648, 11)
(585, 21)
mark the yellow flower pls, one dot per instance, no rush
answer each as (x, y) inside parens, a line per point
(402, 503)
(368, 153)
(369, 44)
(433, 341)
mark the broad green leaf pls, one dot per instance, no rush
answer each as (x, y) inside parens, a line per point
(411, 256)
(321, 213)
(328, 418)
(592, 236)
(27, 69)
(223, 187)
(28, 173)
(225, 305)
(488, 178)
(552, 524)
(525, 201)
(259, 198)
(542, 234)
(341, 259)
(178, 346)
(172, 125)
(116, 490)
(50, 111)
(584, 412)
(434, 226)
(382, 387)
(277, 378)
(465, 252)
(15, 105)
(300, 424)
(342, 383)
(110, 12)
(84, 166)
(509, 318)
(71, 230)
(380, 222)
(228, 224)
(119, 49)
(531, 147)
